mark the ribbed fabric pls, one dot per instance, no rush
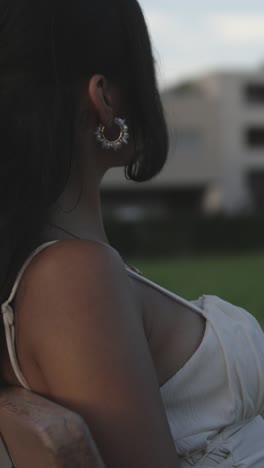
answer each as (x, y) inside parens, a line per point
(214, 403)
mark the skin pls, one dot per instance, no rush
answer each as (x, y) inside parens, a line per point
(101, 102)
(90, 336)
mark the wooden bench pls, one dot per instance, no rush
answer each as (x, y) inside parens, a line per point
(37, 433)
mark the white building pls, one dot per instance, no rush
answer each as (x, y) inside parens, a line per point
(216, 125)
(239, 101)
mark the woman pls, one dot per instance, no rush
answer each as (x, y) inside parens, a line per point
(161, 382)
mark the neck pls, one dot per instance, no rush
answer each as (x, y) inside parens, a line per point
(83, 221)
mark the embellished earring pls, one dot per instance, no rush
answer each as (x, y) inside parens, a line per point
(116, 144)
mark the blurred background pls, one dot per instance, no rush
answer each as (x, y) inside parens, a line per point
(198, 228)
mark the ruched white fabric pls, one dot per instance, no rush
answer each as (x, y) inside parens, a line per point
(214, 404)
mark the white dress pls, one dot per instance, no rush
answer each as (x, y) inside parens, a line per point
(214, 404)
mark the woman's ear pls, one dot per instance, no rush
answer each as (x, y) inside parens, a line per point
(100, 94)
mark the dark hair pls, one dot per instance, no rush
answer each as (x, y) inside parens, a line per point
(48, 48)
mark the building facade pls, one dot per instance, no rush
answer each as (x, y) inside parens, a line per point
(216, 157)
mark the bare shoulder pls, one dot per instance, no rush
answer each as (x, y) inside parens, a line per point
(77, 263)
(80, 318)
(70, 281)
(67, 256)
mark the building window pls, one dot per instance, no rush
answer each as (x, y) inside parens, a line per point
(256, 186)
(255, 93)
(255, 137)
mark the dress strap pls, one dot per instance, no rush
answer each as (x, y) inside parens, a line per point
(9, 319)
(24, 267)
(194, 305)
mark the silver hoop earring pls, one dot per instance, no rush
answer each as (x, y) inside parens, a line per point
(121, 140)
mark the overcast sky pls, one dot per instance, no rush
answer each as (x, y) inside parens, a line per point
(193, 36)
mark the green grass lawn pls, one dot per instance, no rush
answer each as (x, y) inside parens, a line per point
(238, 279)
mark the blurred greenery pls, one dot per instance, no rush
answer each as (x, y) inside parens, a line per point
(238, 279)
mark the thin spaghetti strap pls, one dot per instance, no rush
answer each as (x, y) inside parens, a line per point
(134, 272)
(24, 267)
(9, 319)
(27, 262)
(168, 293)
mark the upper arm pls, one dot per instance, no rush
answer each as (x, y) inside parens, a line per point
(88, 339)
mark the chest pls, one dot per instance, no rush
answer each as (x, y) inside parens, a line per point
(174, 331)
